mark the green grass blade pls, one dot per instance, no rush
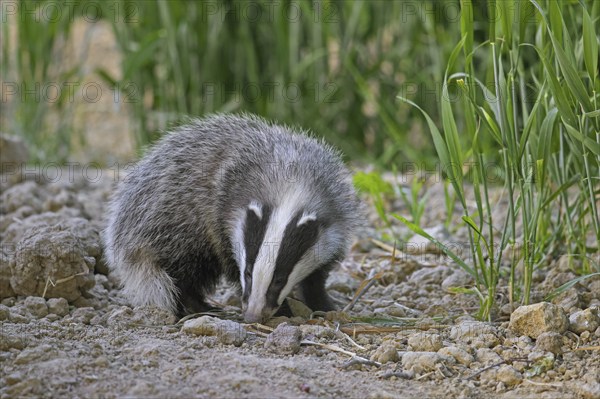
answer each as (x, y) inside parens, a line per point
(566, 286)
(590, 45)
(417, 230)
(571, 76)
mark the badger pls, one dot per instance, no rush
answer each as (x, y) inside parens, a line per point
(268, 207)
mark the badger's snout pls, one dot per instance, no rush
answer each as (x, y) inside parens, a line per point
(260, 316)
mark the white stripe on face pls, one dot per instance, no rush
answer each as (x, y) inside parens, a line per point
(264, 266)
(239, 250)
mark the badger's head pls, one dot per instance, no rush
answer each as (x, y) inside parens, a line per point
(278, 246)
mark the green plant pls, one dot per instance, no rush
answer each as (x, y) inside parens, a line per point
(416, 201)
(33, 79)
(330, 66)
(377, 189)
(546, 149)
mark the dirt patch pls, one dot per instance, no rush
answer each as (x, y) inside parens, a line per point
(94, 345)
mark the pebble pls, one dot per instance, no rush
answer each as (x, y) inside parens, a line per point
(13, 378)
(36, 306)
(460, 355)
(425, 342)
(343, 283)
(8, 341)
(58, 306)
(4, 312)
(385, 353)
(10, 302)
(550, 342)
(587, 391)
(584, 320)
(284, 339)
(430, 275)
(421, 362)
(311, 331)
(18, 318)
(477, 333)
(36, 354)
(533, 320)
(487, 356)
(120, 316)
(153, 316)
(459, 278)
(83, 315)
(508, 375)
(227, 331)
(489, 377)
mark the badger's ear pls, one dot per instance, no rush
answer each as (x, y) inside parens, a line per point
(256, 207)
(305, 218)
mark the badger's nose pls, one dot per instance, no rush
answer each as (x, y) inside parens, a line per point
(253, 317)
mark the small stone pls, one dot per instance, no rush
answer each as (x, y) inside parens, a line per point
(205, 325)
(153, 316)
(4, 312)
(550, 342)
(228, 332)
(584, 320)
(83, 315)
(507, 309)
(121, 316)
(508, 375)
(569, 300)
(385, 353)
(52, 317)
(10, 302)
(538, 355)
(421, 362)
(17, 318)
(13, 378)
(586, 391)
(343, 283)
(36, 306)
(232, 333)
(460, 355)
(36, 354)
(8, 341)
(425, 342)
(430, 275)
(316, 331)
(58, 306)
(585, 336)
(284, 338)
(487, 356)
(489, 377)
(483, 334)
(533, 320)
(459, 278)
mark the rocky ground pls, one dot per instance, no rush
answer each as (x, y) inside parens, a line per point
(66, 330)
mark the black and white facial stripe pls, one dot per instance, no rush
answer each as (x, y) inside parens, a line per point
(255, 227)
(277, 244)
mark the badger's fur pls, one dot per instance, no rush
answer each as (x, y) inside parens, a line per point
(264, 205)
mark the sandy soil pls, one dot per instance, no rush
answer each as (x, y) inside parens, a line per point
(95, 345)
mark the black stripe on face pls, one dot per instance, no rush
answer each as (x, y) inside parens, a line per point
(254, 233)
(294, 244)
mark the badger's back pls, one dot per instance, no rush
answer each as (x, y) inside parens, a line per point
(179, 206)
